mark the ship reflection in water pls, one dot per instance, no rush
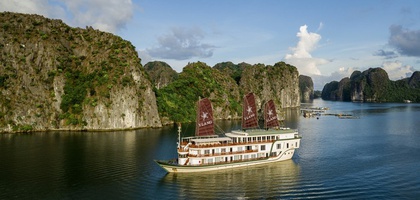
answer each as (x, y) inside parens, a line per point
(246, 182)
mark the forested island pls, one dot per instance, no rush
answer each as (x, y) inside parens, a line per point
(56, 77)
(373, 85)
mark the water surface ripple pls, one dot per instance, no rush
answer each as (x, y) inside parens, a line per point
(374, 157)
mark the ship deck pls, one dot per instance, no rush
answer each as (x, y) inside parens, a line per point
(259, 132)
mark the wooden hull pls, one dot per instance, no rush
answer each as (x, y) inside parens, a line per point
(175, 168)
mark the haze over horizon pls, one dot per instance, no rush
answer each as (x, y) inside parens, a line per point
(325, 40)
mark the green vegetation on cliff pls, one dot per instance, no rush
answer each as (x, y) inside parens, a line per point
(225, 84)
(54, 76)
(177, 100)
(233, 70)
(161, 74)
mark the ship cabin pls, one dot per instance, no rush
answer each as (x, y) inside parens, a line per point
(237, 146)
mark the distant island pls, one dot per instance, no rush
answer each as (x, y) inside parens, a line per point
(373, 85)
(56, 77)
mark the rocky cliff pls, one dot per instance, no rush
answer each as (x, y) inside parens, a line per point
(337, 91)
(279, 83)
(233, 70)
(373, 85)
(177, 100)
(161, 74)
(54, 76)
(306, 88)
(225, 84)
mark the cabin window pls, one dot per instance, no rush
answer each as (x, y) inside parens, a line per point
(246, 156)
(239, 148)
(218, 159)
(210, 160)
(223, 150)
(206, 151)
(287, 145)
(296, 144)
(253, 156)
(248, 148)
(262, 147)
(279, 146)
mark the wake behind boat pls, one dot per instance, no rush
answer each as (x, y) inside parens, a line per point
(250, 146)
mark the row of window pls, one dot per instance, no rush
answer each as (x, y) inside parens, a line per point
(233, 158)
(241, 149)
(260, 138)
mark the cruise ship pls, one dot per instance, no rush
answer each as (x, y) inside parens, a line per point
(240, 148)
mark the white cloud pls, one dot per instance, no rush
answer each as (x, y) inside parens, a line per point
(342, 73)
(396, 70)
(41, 7)
(320, 80)
(301, 56)
(145, 57)
(321, 25)
(182, 44)
(105, 15)
(406, 41)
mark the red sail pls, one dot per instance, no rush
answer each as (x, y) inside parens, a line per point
(270, 115)
(249, 112)
(205, 125)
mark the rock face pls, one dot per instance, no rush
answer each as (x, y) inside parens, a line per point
(225, 85)
(233, 70)
(279, 83)
(306, 88)
(373, 85)
(55, 77)
(337, 91)
(369, 86)
(160, 73)
(177, 101)
(414, 81)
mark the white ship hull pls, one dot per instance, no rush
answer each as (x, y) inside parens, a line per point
(175, 168)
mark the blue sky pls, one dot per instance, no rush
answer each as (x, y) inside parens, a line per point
(326, 40)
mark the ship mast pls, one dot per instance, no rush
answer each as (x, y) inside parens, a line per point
(179, 136)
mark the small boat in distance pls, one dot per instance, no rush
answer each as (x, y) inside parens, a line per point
(250, 146)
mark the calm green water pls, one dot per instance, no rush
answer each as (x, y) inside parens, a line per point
(374, 157)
